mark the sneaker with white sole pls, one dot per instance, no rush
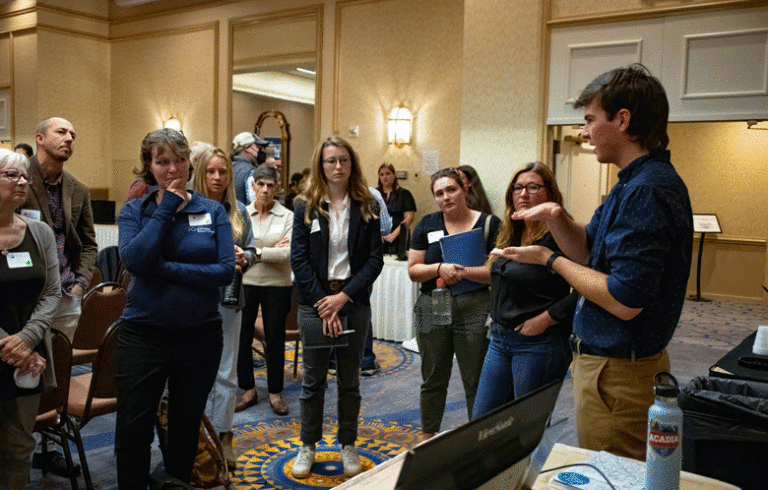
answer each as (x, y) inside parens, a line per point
(302, 466)
(351, 460)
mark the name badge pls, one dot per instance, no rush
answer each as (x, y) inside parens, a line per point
(315, 226)
(17, 260)
(434, 236)
(277, 229)
(200, 219)
(31, 214)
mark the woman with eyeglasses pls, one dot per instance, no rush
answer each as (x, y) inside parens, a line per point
(336, 257)
(29, 295)
(531, 308)
(466, 335)
(178, 247)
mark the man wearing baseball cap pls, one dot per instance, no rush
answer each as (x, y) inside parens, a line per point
(247, 153)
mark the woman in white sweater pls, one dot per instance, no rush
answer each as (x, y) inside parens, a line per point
(267, 284)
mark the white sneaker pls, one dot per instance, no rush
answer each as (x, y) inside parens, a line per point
(351, 460)
(304, 461)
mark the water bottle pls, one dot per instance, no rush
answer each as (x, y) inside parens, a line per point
(232, 291)
(663, 457)
(441, 304)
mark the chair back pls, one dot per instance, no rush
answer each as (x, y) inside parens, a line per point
(101, 307)
(124, 277)
(55, 398)
(102, 394)
(96, 279)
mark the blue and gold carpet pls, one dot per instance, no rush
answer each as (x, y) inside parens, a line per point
(266, 444)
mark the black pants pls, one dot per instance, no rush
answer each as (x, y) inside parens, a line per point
(188, 360)
(275, 302)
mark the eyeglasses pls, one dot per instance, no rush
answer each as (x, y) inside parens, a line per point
(531, 188)
(15, 175)
(333, 161)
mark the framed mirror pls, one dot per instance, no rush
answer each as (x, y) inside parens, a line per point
(275, 83)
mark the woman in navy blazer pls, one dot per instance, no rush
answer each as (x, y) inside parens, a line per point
(336, 254)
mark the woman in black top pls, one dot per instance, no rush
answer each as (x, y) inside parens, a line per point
(29, 295)
(400, 205)
(466, 335)
(531, 309)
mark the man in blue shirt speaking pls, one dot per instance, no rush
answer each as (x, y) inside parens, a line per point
(630, 263)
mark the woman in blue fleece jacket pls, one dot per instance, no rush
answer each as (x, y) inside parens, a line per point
(178, 247)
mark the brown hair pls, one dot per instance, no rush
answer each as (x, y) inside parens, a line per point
(511, 231)
(635, 89)
(160, 138)
(395, 184)
(476, 197)
(317, 186)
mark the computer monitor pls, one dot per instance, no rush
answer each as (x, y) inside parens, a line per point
(473, 454)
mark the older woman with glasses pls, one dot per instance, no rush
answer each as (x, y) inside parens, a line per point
(29, 295)
(465, 336)
(178, 247)
(531, 308)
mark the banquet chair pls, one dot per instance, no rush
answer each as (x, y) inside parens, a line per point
(52, 412)
(93, 394)
(291, 330)
(101, 307)
(96, 279)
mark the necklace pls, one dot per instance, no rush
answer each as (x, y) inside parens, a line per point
(10, 237)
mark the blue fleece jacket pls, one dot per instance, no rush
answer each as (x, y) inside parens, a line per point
(178, 259)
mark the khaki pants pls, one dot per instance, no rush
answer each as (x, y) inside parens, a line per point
(17, 417)
(612, 398)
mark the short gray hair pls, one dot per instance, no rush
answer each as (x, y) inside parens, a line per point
(266, 172)
(10, 157)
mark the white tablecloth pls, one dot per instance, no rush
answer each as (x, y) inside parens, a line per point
(392, 302)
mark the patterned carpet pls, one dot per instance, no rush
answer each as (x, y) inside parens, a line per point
(266, 444)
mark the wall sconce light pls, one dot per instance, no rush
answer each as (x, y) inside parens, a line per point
(172, 123)
(400, 126)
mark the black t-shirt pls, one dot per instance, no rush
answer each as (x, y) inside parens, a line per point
(522, 291)
(398, 202)
(20, 288)
(424, 239)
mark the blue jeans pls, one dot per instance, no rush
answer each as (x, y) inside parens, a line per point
(516, 364)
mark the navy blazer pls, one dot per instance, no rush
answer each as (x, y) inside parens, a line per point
(309, 254)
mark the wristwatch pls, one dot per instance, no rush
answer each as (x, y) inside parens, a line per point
(551, 260)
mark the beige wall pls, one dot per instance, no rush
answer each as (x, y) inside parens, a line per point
(25, 88)
(570, 8)
(400, 51)
(501, 90)
(153, 78)
(247, 107)
(80, 93)
(724, 167)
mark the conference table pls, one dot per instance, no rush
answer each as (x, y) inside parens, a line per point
(384, 476)
(392, 300)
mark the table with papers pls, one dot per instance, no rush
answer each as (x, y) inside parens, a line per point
(384, 476)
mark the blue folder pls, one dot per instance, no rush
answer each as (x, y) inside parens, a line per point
(467, 249)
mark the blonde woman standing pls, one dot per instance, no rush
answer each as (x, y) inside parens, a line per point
(213, 179)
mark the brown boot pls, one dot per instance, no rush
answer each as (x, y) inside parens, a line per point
(229, 453)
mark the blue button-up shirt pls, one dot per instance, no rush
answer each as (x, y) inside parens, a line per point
(642, 238)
